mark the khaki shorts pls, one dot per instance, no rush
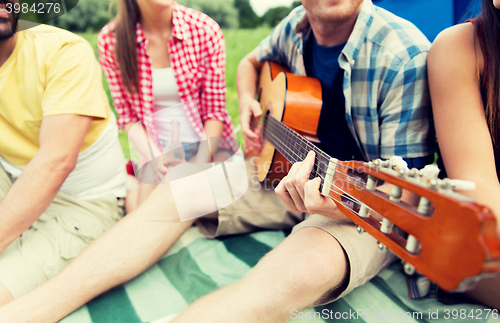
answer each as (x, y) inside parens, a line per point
(59, 235)
(260, 208)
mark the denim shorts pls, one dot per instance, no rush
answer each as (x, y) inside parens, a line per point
(190, 148)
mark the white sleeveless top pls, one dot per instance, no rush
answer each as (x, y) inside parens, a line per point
(168, 106)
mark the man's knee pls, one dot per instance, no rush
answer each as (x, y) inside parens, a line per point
(314, 260)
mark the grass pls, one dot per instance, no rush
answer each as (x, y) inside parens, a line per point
(239, 42)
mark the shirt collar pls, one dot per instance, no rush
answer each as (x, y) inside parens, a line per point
(141, 39)
(302, 23)
(358, 34)
(178, 25)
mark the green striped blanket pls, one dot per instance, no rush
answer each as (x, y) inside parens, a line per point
(195, 266)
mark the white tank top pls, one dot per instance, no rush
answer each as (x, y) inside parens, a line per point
(168, 106)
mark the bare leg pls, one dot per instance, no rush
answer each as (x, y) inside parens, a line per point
(132, 194)
(302, 269)
(144, 191)
(131, 246)
(5, 296)
(147, 186)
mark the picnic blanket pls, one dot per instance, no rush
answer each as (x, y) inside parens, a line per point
(196, 266)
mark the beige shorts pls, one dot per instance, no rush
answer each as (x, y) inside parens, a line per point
(59, 235)
(260, 208)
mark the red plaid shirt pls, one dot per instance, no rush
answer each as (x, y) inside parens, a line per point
(198, 58)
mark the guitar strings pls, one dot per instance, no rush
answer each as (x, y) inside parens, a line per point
(283, 145)
(349, 197)
(318, 152)
(346, 195)
(319, 175)
(337, 188)
(320, 161)
(275, 123)
(356, 180)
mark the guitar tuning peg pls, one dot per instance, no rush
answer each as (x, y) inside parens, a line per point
(360, 230)
(381, 246)
(399, 163)
(445, 184)
(386, 164)
(409, 269)
(430, 172)
(412, 172)
(379, 163)
(460, 184)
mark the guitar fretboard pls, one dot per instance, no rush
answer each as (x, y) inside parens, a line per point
(293, 146)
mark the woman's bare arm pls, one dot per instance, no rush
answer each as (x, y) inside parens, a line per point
(454, 65)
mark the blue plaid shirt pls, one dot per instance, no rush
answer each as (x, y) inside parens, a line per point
(387, 102)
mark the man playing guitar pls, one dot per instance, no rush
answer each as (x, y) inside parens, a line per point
(371, 65)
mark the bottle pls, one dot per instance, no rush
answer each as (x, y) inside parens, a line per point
(174, 153)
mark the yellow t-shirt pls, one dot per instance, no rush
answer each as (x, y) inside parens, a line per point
(50, 72)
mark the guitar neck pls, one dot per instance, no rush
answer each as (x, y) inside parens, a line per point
(294, 147)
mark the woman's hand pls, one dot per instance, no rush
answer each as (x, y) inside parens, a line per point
(154, 171)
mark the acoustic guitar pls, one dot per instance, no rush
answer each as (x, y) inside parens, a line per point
(449, 238)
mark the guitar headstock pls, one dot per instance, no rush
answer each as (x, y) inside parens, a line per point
(446, 235)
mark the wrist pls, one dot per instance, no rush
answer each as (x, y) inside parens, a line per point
(246, 97)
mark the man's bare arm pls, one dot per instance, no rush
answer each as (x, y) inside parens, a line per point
(61, 138)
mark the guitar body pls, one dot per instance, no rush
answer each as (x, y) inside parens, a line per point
(294, 100)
